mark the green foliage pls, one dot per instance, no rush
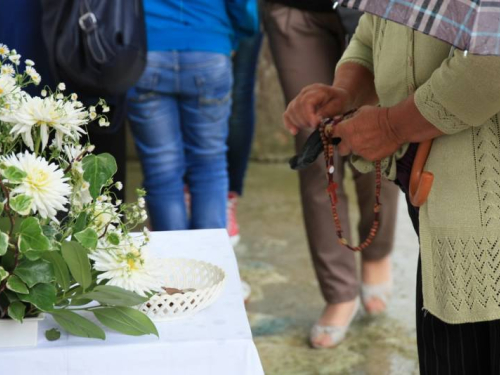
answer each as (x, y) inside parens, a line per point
(126, 320)
(43, 296)
(15, 284)
(88, 238)
(4, 243)
(3, 274)
(61, 271)
(21, 204)
(14, 174)
(31, 236)
(77, 259)
(113, 295)
(113, 239)
(35, 272)
(98, 170)
(16, 311)
(52, 334)
(78, 325)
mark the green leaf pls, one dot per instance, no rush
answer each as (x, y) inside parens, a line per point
(114, 296)
(43, 296)
(125, 320)
(49, 231)
(31, 236)
(16, 311)
(2, 205)
(11, 296)
(97, 170)
(35, 272)
(52, 334)
(5, 225)
(3, 274)
(4, 243)
(21, 204)
(88, 238)
(61, 271)
(76, 257)
(15, 284)
(80, 223)
(80, 301)
(113, 239)
(14, 174)
(78, 325)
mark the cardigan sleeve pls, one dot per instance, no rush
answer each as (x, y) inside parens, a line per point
(360, 49)
(463, 92)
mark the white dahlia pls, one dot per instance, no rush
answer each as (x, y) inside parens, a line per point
(46, 113)
(127, 267)
(44, 183)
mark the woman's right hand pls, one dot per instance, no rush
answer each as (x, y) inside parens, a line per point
(314, 103)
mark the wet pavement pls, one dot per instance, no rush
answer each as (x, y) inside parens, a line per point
(286, 301)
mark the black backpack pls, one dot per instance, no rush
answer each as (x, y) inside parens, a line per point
(97, 47)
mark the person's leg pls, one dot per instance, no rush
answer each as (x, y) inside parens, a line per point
(242, 120)
(306, 47)
(155, 122)
(206, 81)
(376, 263)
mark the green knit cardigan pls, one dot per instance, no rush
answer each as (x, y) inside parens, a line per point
(460, 222)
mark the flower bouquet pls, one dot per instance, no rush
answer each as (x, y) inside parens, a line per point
(65, 243)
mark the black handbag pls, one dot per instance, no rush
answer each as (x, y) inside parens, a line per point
(97, 47)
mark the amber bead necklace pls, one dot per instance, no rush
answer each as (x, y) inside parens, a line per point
(329, 147)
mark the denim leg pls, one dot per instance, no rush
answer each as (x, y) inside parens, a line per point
(205, 106)
(242, 120)
(155, 122)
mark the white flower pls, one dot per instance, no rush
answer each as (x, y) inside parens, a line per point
(92, 115)
(103, 122)
(141, 202)
(29, 62)
(74, 97)
(92, 108)
(60, 96)
(118, 185)
(127, 267)
(44, 183)
(4, 50)
(33, 74)
(104, 214)
(8, 85)
(105, 109)
(118, 202)
(8, 69)
(61, 86)
(37, 78)
(44, 93)
(16, 58)
(45, 113)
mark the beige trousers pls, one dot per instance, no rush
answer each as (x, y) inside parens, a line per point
(306, 46)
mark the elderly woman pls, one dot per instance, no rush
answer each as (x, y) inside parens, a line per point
(409, 88)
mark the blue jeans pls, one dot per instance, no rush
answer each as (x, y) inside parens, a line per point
(179, 113)
(242, 121)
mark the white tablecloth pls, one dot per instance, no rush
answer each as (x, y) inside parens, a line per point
(216, 341)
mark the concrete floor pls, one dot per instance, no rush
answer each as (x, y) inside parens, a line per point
(286, 301)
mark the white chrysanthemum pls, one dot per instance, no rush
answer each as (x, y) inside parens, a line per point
(44, 183)
(46, 113)
(127, 267)
(4, 50)
(8, 85)
(7, 69)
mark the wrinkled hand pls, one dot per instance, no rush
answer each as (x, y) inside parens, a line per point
(314, 103)
(367, 134)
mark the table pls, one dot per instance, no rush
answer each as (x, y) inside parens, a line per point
(216, 341)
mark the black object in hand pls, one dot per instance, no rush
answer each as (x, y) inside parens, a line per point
(310, 152)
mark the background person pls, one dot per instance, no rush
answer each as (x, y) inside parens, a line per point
(307, 40)
(180, 107)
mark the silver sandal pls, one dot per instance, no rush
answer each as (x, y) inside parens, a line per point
(336, 333)
(382, 292)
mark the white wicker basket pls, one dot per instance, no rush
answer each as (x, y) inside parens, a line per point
(200, 282)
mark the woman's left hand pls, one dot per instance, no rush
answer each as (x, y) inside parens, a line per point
(367, 134)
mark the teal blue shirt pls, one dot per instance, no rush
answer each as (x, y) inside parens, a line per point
(199, 25)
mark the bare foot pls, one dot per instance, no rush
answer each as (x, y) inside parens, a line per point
(338, 315)
(375, 273)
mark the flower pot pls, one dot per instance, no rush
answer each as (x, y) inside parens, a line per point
(14, 334)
